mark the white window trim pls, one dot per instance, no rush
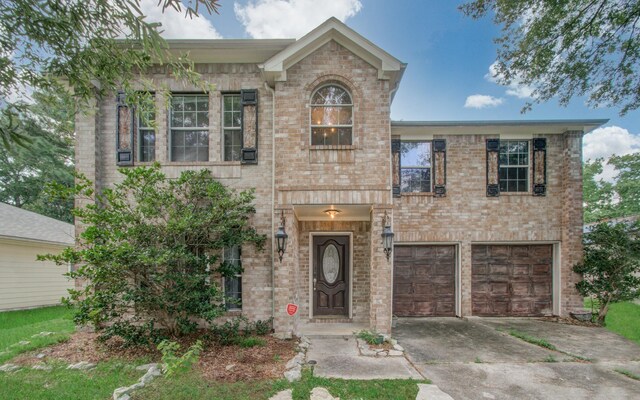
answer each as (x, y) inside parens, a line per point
(430, 167)
(232, 128)
(312, 105)
(195, 128)
(238, 307)
(528, 165)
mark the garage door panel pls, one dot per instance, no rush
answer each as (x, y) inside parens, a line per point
(518, 280)
(424, 281)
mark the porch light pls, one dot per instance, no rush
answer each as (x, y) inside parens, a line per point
(332, 212)
(387, 236)
(281, 237)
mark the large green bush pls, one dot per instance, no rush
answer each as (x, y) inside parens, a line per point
(150, 248)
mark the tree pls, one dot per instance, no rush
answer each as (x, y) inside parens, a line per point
(611, 265)
(568, 48)
(26, 172)
(620, 198)
(149, 251)
(96, 46)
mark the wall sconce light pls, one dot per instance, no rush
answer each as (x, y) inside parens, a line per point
(387, 236)
(281, 237)
(332, 212)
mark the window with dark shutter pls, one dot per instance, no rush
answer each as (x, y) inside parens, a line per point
(493, 167)
(249, 102)
(440, 167)
(124, 131)
(539, 166)
(395, 166)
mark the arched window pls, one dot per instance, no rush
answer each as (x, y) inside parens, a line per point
(331, 116)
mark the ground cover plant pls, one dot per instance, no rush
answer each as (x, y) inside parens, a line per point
(22, 325)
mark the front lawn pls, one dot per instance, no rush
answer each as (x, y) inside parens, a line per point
(623, 319)
(61, 383)
(192, 386)
(21, 326)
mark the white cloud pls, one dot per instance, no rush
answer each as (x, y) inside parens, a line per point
(516, 88)
(291, 18)
(607, 141)
(175, 25)
(482, 101)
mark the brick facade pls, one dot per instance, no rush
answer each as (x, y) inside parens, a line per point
(357, 175)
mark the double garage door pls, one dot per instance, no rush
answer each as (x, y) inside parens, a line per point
(507, 280)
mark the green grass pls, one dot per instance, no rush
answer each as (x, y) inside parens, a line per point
(628, 373)
(532, 339)
(193, 387)
(16, 326)
(61, 383)
(622, 318)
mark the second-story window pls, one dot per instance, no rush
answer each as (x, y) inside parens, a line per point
(146, 135)
(331, 116)
(189, 123)
(233, 285)
(514, 166)
(415, 167)
(231, 127)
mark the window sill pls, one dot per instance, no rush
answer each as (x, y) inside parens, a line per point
(333, 147)
(201, 163)
(515, 193)
(416, 194)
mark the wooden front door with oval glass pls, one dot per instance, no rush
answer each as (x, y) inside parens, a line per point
(331, 275)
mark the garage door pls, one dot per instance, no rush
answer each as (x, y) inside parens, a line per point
(424, 281)
(511, 280)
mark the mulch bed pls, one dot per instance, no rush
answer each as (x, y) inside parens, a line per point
(220, 363)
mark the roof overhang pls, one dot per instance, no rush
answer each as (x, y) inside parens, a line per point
(389, 67)
(506, 128)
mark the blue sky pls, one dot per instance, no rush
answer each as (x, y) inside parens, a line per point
(448, 58)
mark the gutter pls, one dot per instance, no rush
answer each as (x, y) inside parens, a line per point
(273, 196)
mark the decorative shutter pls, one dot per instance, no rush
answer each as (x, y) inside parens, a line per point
(539, 166)
(249, 101)
(124, 136)
(440, 167)
(395, 166)
(493, 167)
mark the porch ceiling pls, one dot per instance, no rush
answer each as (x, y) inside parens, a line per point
(347, 212)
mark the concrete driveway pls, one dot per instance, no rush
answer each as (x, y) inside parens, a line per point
(477, 358)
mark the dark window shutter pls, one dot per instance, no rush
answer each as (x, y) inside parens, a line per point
(395, 166)
(125, 124)
(440, 167)
(249, 100)
(493, 167)
(539, 166)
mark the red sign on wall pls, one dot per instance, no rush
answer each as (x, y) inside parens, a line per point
(292, 309)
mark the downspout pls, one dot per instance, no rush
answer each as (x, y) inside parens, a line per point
(273, 196)
(391, 93)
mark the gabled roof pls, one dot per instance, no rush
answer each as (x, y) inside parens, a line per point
(19, 224)
(389, 67)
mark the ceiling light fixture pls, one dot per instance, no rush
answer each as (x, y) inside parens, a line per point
(332, 212)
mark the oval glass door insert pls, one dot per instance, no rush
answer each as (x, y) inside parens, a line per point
(330, 263)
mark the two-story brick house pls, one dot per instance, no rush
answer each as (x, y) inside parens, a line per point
(486, 215)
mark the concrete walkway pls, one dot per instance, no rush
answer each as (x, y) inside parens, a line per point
(339, 357)
(478, 359)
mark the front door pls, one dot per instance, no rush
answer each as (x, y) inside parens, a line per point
(331, 275)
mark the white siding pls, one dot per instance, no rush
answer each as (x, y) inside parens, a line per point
(26, 282)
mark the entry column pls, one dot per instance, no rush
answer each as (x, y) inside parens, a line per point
(381, 269)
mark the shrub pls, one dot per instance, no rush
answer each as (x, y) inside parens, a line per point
(148, 250)
(370, 337)
(251, 342)
(264, 327)
(174, 364)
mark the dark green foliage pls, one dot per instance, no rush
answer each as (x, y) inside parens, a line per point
(621, 198)
(149, 249)
(264, 327)
(25, 172)
(569, 48)
(236, 330)
(96, 46)
(251, 341)
(611, 265)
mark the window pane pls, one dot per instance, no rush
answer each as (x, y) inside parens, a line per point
(177, 154)
(415, 154)
(344, 136)
(202, 119)
(415, 180)
(190, 103)
(232, 145)
(203, 103)
(189, 119)
(331, 95)
(514, 165)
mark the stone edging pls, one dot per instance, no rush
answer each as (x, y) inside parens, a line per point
(294, 366)
(122, 393)
(368, 351)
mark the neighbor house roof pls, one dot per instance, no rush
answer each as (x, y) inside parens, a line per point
(16, 223)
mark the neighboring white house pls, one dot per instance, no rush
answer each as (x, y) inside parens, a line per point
(24, 281)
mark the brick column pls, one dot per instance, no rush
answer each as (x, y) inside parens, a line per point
(381, 278)
(286, 278)
(571, 246)
(465, 279)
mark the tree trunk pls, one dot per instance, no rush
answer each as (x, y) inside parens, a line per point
(602, 313)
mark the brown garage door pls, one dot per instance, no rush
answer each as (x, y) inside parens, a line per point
(424, 281)
(511, 280)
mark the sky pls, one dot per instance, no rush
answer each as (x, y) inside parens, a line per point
(449, 59)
